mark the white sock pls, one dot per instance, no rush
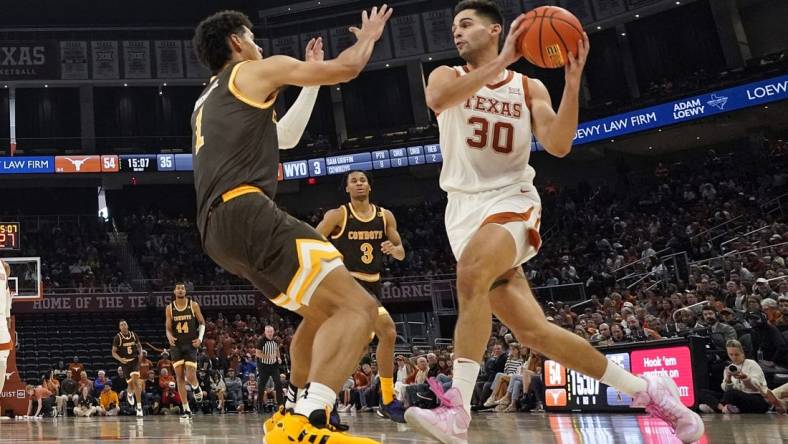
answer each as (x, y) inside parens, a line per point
(622, 380)
(186, 407)
(315, 396)
(464, 379)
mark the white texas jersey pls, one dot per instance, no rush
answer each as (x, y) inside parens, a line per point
(486, 141)
(5, 296)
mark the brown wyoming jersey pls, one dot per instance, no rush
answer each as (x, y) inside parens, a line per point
(234, 142)
(126, 346)
(359, 242)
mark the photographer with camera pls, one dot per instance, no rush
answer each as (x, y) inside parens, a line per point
(742, 384)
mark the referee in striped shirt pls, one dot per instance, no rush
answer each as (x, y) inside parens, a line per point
(268, 361)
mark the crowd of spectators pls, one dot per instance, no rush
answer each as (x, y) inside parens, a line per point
(227, 370)
(75, 254)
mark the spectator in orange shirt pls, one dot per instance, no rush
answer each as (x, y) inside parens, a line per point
(210, 346)
(145, 365)
(41, 397)
(165, 362)
(76, 368)
(165, 379)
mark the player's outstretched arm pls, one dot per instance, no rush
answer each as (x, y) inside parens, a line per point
(276, 71)
(446, 88)
(556, 131)
(393, 244)
(331, 220)
(291, 126)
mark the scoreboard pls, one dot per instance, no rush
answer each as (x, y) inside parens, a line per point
(292, 170)
(366, 161)
(683, 360)
(9, 236)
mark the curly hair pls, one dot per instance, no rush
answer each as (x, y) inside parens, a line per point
(210, 37)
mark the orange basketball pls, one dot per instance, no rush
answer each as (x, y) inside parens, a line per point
(551, 33)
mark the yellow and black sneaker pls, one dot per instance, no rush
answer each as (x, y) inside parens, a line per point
(294, 428)
(269, 424)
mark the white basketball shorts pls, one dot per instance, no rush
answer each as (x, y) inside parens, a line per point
(5, 336)
(517, 208)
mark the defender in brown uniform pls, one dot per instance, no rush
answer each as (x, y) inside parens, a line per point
(363, 233)
(185, 329)
(235, 149)
(127, 349)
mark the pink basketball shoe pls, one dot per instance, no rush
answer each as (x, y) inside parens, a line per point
(662, 400)
(447, 423)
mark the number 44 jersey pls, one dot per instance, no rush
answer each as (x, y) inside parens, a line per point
(486, 140)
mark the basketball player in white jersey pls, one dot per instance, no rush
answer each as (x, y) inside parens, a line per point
(5, 317)
(486, 116)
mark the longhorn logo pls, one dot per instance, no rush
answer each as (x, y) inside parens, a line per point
(77, 163)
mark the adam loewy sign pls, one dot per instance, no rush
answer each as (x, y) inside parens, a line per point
(135, 301)
(683, 110)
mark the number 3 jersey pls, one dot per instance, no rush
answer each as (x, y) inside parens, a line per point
(486, 141)
(359, 242)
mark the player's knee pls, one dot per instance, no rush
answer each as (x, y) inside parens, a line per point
(386, 330)
(472, 279)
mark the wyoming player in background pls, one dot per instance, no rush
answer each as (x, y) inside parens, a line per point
(185, 331)
(363, 233)
(127, 349)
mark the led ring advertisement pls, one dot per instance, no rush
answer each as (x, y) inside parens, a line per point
(571, 390)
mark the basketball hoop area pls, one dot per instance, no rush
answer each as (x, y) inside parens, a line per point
(24, 281)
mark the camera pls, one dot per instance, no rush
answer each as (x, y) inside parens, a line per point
(733, 369)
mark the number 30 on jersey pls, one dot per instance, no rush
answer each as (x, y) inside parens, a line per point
(502, 135)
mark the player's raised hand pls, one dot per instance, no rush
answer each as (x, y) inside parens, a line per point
(511, 49)
(372, 25)
(314, 50)
(573, 70)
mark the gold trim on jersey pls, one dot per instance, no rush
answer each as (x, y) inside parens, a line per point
(175, 304)
(239, 95)
(311, 255)
(344, 223)
(360, 219)
(240, 191)
(366, 277)
(385, 223)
